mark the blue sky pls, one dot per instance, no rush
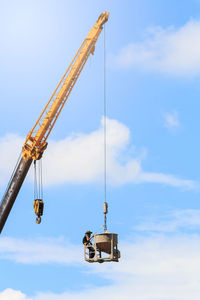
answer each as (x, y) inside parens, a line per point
(153, 88)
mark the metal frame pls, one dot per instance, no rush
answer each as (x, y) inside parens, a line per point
(101, 256)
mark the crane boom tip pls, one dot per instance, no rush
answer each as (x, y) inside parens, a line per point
(103, 18)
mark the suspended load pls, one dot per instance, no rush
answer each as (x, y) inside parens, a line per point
(105, 247)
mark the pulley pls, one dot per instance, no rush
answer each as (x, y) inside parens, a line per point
(38, 206)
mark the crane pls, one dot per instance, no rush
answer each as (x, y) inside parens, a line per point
(36, 140)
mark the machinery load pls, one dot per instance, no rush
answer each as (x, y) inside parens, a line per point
(105, 247)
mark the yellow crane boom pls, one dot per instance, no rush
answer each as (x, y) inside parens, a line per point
(36, 141)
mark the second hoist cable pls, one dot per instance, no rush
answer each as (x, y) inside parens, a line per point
(105, 206)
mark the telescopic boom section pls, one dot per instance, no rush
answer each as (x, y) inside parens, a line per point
(36, 141)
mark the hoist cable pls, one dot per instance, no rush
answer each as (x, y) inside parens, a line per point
(38, 183)
(105, 112)
(41, 182)
(35, 181)
(39, 178)
(105, 134)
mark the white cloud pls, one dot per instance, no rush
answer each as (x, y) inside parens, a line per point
(79, 159)
(172, 51)
(10, 294)
(171, 120)
(151, 268)
(167, 180)
(39, 251)
(172, 222)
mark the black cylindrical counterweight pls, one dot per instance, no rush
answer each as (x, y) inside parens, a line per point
(13, 189)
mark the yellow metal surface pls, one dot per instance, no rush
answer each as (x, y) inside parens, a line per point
(38, 206)
(35, 142)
